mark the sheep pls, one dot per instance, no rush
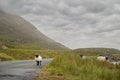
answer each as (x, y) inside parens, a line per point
(38, 60)
(109, 58)
(115, 62)
(105, 57)
(102, 58)
(82, 57)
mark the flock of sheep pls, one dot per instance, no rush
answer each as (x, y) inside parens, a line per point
(106, 57)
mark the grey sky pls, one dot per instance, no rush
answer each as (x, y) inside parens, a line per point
(74, 23)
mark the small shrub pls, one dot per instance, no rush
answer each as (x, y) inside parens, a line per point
(4, 57)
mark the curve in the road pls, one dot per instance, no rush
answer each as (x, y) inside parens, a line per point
(19, 70)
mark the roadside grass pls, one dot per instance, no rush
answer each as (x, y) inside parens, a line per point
(4, 57)
(25, 54)
(66, 65)
(71, 67)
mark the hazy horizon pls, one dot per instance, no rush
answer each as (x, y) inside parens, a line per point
(75, 24)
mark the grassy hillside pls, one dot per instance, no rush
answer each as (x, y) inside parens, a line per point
(15, 32)
(27, 54)
(96, 51)
(22, 54)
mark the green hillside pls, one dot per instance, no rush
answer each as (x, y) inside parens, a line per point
(96, 51)
(15, 32)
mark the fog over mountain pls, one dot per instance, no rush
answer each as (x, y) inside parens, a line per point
(15, 32)
(75, 23)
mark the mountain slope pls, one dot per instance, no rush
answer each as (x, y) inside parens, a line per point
(16, 32)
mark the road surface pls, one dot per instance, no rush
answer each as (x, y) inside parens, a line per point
(19, 70)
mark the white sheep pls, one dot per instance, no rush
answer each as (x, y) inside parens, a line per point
(38, 59)
(109, 58)
(115, 62)
(82, 57)
(102, 58)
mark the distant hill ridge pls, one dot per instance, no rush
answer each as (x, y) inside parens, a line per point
(15, 32)
(96, 51)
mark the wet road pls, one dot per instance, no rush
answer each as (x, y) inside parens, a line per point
(20, 70)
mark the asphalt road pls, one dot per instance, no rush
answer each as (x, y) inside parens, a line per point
(20, 70)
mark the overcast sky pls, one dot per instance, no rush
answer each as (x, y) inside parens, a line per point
(74, 23)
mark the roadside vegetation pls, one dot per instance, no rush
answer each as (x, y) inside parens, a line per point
(26, 54)
(5, 57)
(71, 67)
(67, 65)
